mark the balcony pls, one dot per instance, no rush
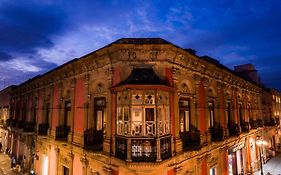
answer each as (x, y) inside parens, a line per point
(62, 132)
(143, 149)
(234, 129)
(260, 122)
(13, 123)
(270, 122)
(216, 134)
(191, 140)
(8, 122)
(254, 124)
(20, 124)
(93, 139)
(43, 129)
(29, 127)
(245, 127)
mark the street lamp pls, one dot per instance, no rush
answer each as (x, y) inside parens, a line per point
(260, 143)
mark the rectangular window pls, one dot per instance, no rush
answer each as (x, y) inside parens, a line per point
(99, 118)
(149, 114)
(47, 113)
(67, 112)
(65, 171)
(211, 113)
(185, 118)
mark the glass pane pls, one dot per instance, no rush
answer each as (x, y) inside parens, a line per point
(187, 117)
(99, 119)
(181, 121)
(149, 114)
(136, 114)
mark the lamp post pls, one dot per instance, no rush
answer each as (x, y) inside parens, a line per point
(260, 143)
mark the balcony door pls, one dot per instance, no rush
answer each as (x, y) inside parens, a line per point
(99, 117)
(211, 108)
(67, 112)
(185, 117)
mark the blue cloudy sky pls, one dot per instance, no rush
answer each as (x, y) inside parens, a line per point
(36, 36)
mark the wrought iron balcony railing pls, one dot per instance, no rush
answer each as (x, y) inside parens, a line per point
(143, 149)
(29, 127)
(20, 124)
(62, 132)
(93, 139)
(270, 122)
(260, 122)
(216, 133)
(234, 129)
(13, 123)
(245, 127)
(8, 122)
(191, 140)
(254, 124)
(43, 129)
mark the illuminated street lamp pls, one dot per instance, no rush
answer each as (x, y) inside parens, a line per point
(260, 143)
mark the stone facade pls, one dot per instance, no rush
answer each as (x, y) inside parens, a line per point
(142, 106)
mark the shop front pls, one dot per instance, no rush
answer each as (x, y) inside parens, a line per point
(236, 159)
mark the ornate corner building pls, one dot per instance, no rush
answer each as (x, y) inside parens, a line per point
(141, 106)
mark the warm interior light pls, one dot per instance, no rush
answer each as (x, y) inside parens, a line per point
(261, 142)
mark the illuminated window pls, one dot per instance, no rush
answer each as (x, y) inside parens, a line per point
(185, 120)
(99, 108)
(211, 108)
(228, 112)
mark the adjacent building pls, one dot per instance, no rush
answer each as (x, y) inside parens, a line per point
(144, 106)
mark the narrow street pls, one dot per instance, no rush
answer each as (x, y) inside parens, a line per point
(273, 166)
(5, 165)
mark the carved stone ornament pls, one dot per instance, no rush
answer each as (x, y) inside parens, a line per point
(153, 54)
(132, 55)
(175, 71)
(64, 160)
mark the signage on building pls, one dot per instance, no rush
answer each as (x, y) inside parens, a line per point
(236, 147)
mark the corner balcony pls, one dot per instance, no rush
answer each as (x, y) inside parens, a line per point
(93, 139)
(139, 149)
(191, 140)
(62, 132)
(29, 127)
(234, 129)
(43, 129)
(245, 127)
(216, 134)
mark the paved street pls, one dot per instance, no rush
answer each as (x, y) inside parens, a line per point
(5, 165)
(273, 166)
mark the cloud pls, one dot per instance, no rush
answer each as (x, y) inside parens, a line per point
(25, 26)
(5, 56)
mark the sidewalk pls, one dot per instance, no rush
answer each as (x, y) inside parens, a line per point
(273, 166)
(5, 165)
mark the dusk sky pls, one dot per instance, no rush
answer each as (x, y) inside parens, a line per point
(39, 35)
